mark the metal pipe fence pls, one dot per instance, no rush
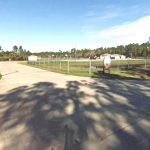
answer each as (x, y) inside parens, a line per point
(88, 67)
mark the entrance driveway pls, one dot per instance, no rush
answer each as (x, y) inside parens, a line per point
(41, 110)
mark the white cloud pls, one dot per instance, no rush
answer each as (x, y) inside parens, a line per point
(103, 18)
(132, 32)
(97, 16)
(137, 31)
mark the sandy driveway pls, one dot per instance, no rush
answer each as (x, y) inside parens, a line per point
(37, 105)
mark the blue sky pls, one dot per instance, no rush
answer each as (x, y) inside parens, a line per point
(41, 25)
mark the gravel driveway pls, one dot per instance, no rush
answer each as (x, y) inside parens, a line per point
(41, 110)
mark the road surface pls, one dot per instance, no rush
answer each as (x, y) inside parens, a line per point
(41, 110)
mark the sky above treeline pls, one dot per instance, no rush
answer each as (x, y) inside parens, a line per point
(52, 25)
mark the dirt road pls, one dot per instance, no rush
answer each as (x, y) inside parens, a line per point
(36, 106)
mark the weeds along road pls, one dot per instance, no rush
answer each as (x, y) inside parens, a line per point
(37, 105)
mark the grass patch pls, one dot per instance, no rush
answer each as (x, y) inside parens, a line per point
(119, 69)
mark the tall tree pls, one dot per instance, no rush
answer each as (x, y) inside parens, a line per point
(15, 48)
(20, 49)
(0, 48)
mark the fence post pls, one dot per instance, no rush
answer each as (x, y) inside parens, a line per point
(47, 62)
(39, 62)
(128, 64)
(55, 64)
(145, 64)
(43, 62)
(68, 66)
(90, 67)
(60, 65)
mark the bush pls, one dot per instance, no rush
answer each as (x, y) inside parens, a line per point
(0, 76)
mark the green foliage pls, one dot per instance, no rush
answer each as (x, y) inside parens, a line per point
(1, 48)
(130, 50)
(13, 55)
(15, 48)
(0, 76)
(20, 49)
(128, 69)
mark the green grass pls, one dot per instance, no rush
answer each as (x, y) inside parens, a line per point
(120, 69)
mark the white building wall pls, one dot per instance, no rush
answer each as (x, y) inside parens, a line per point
(114, 56)
(32, 58)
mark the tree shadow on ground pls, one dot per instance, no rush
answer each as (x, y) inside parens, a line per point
(101, 114)
(100, 74)
(137, 71)
(127, 74)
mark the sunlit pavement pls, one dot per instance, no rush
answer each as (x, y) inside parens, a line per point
(37, 105)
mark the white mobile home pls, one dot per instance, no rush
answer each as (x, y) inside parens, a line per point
(32, 58)
(114, 56)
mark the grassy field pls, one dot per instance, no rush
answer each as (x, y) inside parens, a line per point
(128, 69)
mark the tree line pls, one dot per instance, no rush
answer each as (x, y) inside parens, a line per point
(17, 53)
(130, 50)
